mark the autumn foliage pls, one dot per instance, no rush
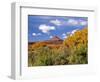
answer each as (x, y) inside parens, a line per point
(73, 50)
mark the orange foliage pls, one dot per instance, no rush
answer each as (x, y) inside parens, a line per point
(78, 38)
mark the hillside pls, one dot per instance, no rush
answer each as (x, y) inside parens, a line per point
(53, 42)
(73, 50)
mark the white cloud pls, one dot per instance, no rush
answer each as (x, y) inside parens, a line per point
(74, 31)
(64, 35)
(51, 36)
(34, 34)
(72, 22)
(83, 23)
(46, 28)
(76, 22)
(56, 22)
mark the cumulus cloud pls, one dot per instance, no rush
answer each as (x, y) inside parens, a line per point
(36, 34)
(46, 28)
(76, 22)
(74, 31)
(72, 22)
(51, 36)
(56, 22)
(83, 23)
(64, 35)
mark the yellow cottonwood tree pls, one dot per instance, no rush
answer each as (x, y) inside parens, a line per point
(77, 43)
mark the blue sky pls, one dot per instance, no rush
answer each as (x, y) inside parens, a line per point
(44, 27)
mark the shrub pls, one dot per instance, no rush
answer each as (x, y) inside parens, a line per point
(77, 44)
(73, 51)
